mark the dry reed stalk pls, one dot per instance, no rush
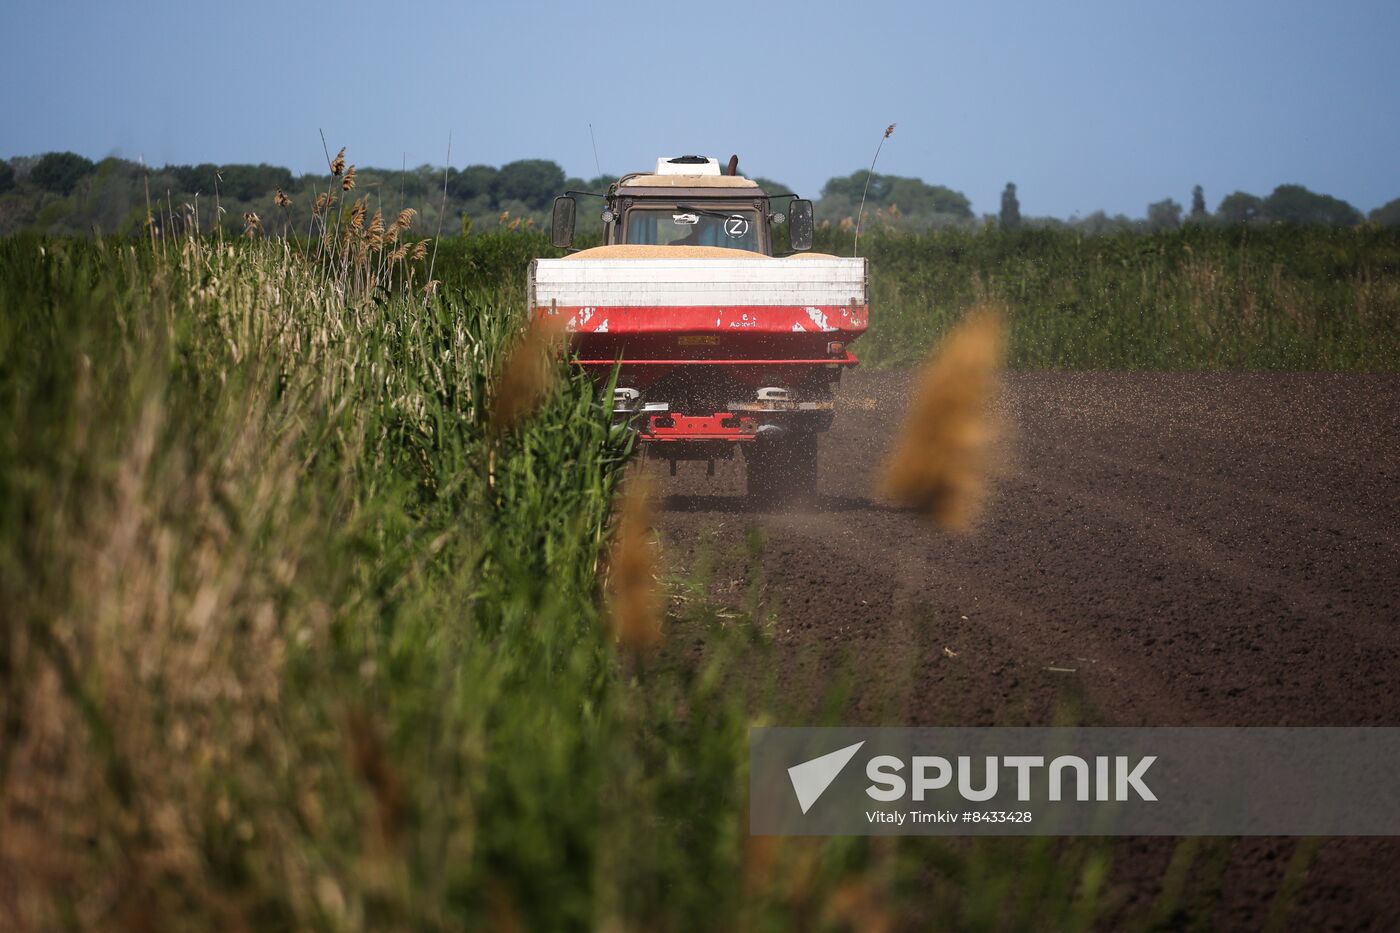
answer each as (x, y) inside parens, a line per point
(430, 288)
(318, 210)
(860, 212)
(357, 214)
(859, 905)
(525, 378)
(760, 859)
(172, 609)
(370, 759)
(634, 603)
(330, 230)
(941, 463)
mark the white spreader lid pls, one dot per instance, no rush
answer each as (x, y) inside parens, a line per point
(687, 165)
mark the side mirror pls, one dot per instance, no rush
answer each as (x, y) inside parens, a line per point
(561, 229)
(800, 225)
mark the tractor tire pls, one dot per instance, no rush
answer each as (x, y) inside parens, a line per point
(783, 469)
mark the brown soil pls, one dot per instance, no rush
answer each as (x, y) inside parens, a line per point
(1159, 549)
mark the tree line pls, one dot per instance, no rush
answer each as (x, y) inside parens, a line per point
(1291, 205)
(62, 192)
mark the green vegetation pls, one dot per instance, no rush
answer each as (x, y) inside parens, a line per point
(65, 193)
(60, 172)
(1292, 204)
(287, 638)
(291, 641)
(1195, 298)
(916, 204)
(1163, 215)
(1010, 216)
(1387, 215)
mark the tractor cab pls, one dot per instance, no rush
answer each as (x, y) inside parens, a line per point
(689, 201)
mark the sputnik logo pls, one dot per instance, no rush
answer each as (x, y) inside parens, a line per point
(811, 778)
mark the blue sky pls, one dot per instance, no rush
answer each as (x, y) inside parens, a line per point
(1085, 106)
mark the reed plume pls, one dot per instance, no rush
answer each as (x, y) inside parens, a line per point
(860, 212)
(357, 214)
(525, 378)
(370, 759)
(634, 604)
(941, 463)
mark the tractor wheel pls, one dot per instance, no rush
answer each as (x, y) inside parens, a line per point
(782, 469)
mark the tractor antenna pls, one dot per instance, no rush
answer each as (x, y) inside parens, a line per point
(594, 141)
(860, 214)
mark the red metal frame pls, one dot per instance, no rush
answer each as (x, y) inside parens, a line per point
(848, 360)
(669, 320)
(701, 428)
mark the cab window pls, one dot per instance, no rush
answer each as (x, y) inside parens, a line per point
(681, 227)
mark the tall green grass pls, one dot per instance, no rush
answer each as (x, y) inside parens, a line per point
(287, 638)
(1199, 298)
(291, 641)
